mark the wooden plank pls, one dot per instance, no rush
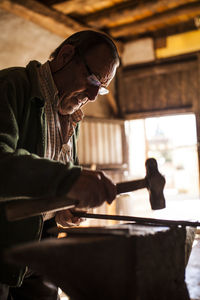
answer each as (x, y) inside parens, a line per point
(43, 16)
(159, 69)
(176, 29)
(50, 19)
(103, 120)
(196, 106)
(125, 146)
(172, 17)
(163, 88)
(126, 13)
(158, 113)
(159, 92)
(83, 7)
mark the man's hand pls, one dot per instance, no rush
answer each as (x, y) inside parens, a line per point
(92, 188)
(65, 218)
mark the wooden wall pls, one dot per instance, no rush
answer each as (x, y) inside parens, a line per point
(161, 88)
(165, 87)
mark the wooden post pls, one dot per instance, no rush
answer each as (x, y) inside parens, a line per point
(196, 106)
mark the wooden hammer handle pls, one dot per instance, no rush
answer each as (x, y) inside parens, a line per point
(129, 186)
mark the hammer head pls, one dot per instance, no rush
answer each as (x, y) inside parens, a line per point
(155, 183)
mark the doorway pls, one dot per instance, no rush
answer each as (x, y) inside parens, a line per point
(172, 141)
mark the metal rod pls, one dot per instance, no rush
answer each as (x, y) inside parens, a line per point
(138, 220)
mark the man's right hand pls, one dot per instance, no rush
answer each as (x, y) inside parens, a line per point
(92, 188)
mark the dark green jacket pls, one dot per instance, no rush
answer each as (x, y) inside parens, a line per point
(23, 169)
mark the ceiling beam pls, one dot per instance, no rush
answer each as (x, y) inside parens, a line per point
(175, 29)
(126, 13)
(154, 23)
(43, 16)
(47, 18)
(83, 7)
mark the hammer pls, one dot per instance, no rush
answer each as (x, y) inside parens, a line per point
(153, 181)
(23, 208)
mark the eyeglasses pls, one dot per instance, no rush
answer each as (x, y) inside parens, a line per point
(92, 78)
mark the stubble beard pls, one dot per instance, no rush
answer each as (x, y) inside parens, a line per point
(71, 103)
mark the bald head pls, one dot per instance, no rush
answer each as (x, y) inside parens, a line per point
(82, 68)
(86, 40)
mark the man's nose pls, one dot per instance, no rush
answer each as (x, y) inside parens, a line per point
(92, 92)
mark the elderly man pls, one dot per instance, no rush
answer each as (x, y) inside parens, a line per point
(40, 109)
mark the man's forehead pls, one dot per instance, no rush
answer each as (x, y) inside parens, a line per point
(100, 53)
(101, 62)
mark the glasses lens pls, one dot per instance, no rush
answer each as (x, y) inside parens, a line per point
(103, 91)
(92, 79)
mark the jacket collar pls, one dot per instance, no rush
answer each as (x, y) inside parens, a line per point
(36, 91)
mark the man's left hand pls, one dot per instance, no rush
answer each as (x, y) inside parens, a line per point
(65, 218)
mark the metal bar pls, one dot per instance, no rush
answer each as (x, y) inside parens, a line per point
(138, 220)
(29, 207)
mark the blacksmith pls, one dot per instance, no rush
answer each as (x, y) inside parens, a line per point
(40, 112)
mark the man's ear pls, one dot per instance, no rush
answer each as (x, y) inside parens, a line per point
(64, 56)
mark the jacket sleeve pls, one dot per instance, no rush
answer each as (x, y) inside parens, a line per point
(23, 173)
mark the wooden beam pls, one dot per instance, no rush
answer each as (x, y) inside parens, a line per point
(82, 7)
(43, 16)
(126, 13)
(154, 23)
(47, 18)
(158, 113)
(196, 106)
